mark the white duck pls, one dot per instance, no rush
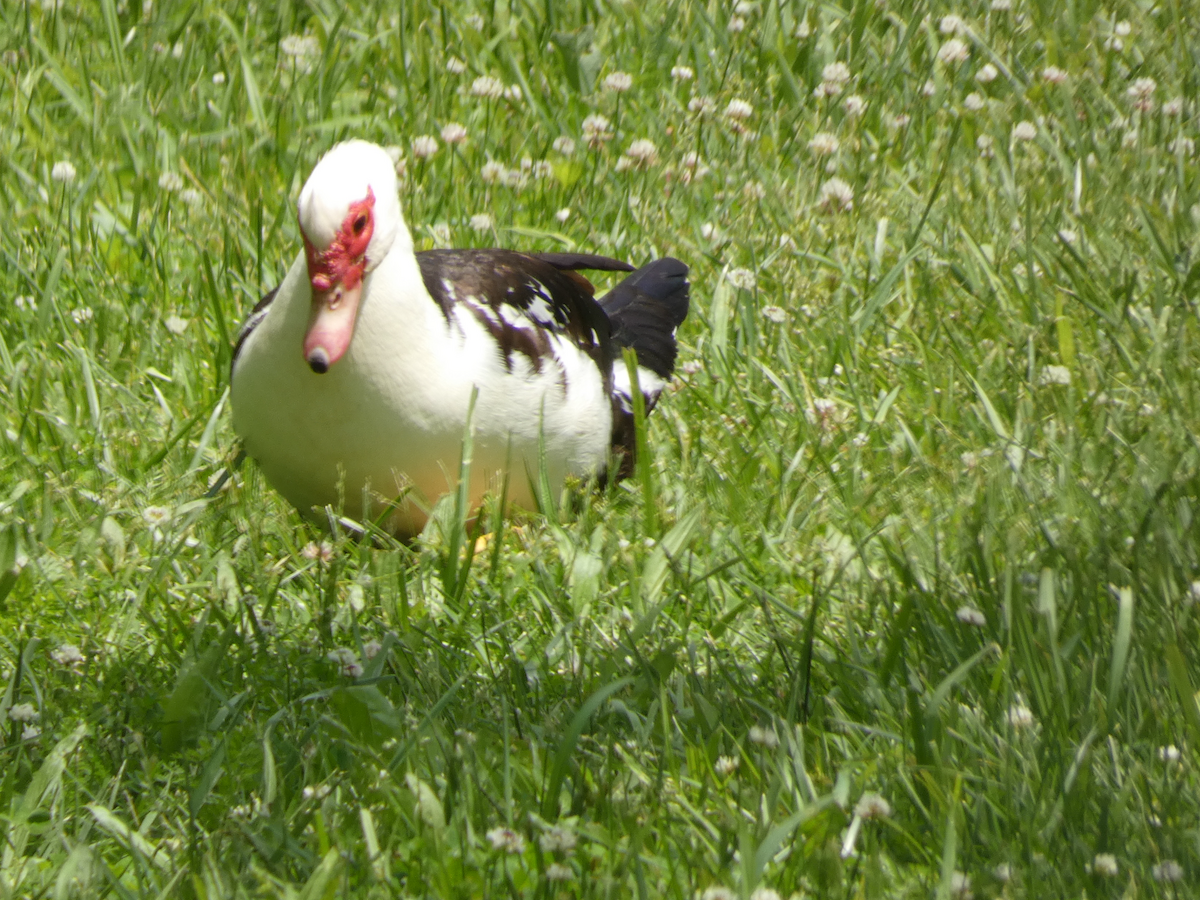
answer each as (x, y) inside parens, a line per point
(352, 380)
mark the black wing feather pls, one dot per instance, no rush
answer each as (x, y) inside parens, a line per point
(256, 315)
(543, 288)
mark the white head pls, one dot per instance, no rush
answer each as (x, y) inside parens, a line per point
(350, 219)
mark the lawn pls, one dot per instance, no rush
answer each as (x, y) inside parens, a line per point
(904, 603)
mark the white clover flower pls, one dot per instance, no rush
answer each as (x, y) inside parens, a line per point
(23, 712)
(825, 413)
(424, 146)
(708, 231)
(563, 214)
(507, 840)
(960, 886)
(170, 181)
(177, 50)
(824, 144)
(742, 279)
(682, 73)
(836, 73)
(1105, 864)
(1141, 92)
(854, 105)
(346, 661)
(1003, 873)
(738, 110)
(1020, 716)
(314, 551)
(67, 655)
(475, 20)
(371, 648)
(1173, 107)
(718, 892)
(301, 51)
(1001, 5)
(557, 839)
(453, 133)
(492, 172)
(1055, 375)
(25, 303)
(952, 25)
(643, 153)
(1167, 870)
(191, 197)
(736, 25)
(765, 893)
(30, 733)
(765, 737)
(1123, 29)
(803, 29)
(987, 73)
(836, 196)
(872, 806)
(1169, 754)
(953, 52)
(175, 324)
(482, 222)
(596, 130)
(559, 872)
(455, 66)
(693, 167)
(1193, 593)
(701, 106)
(969, 615)
(513, 93)
(929, 88)
(218, 78)
(157, 515)
(726, 766)
(1054, 74)
(617, 82)
(973, 102)
(1024, 131)
(776, 314)
(487, 87)
(63, 171)
(83, 315)
(564, 145)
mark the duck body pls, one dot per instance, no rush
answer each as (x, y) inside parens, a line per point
(370, 416)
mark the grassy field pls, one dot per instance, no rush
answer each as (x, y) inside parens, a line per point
(905, 604)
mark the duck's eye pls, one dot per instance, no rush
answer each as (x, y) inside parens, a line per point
(359, 225)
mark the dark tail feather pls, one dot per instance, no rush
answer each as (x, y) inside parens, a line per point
(646, 308)
(644, 311)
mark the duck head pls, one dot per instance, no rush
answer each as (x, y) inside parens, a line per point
(350, 219)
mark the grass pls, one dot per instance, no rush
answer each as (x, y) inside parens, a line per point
(920, 520)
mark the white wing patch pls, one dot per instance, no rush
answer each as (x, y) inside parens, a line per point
(539, 308)
(651, 383)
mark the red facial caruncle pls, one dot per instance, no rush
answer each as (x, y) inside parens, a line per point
(335, 276)
(342, 261)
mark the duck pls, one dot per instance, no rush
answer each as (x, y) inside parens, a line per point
(356, 379)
